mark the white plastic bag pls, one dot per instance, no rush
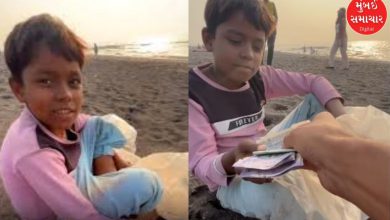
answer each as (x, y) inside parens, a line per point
(367, 122)
(172, 168)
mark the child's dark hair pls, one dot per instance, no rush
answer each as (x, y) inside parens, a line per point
(219, 11)
(27, 37)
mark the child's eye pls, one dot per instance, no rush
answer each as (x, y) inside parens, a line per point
(75, 83)
(45, 82)
(235, 42)
(257, 49)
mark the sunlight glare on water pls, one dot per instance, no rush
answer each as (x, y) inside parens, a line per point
(379, 50)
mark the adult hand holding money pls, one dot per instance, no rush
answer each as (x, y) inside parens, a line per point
(273, 160)
(309, 140)
(351, 167)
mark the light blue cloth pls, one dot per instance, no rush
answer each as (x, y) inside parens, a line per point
(271, 200)
(117, 194)
(306, 110)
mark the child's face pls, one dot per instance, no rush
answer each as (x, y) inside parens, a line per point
(52, 90)
(238, 48)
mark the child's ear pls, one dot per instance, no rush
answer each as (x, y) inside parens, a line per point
(207, 38)
(17, 88)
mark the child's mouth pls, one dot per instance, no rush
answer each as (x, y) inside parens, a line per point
(63, 112)
(244, 67)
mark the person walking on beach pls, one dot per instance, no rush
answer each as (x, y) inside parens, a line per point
(340, 41)
(95, 49)
(271, 39)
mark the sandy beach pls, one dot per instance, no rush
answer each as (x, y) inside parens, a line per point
(365, 83)
(150, 93)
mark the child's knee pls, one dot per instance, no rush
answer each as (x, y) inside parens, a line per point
(150, 188)
(151, 181)
(313, 104)
(311, 97)
(312, 100)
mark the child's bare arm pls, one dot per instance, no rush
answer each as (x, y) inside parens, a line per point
(120, 163)
(335, 107)
(104, 164)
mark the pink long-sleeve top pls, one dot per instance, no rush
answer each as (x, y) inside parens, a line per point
(207, 142)
(37, 179)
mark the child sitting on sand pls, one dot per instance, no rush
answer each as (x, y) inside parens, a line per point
(226, 107)
(44, 150)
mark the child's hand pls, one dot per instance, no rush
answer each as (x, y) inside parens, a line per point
(120, 163)
(246, 149)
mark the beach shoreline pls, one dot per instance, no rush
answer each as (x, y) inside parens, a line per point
(139, 57)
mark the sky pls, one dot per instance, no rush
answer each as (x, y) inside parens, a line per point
(301, 22)
(105, 21)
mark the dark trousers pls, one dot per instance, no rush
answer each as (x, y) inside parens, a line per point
(270, 46)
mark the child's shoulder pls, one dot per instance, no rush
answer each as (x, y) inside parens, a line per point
(196, 76)
(23, 133)
(197, 79)
(25, 122)
(20, 134)
(199, 69)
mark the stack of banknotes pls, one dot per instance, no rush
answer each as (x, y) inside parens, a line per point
(272, 162)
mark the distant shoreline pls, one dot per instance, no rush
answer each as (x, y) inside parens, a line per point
(151, 57)
(146, 50)
(360, 50)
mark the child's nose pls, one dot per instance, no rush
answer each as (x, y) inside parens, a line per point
(63, 92)
(247, 52)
